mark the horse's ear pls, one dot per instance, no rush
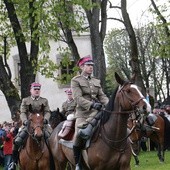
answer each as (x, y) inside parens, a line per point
(118, 79)
(133, 78)
(58, 110)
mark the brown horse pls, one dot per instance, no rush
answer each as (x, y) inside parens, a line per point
(109, 148)
(35, 154)
(155, 133)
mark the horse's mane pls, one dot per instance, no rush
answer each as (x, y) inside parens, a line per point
(56, 114)
(109, 107)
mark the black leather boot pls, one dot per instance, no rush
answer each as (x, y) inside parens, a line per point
(77, 156)
(14, 162)
(87, 132)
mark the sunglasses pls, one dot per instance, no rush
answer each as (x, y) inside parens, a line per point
(36, 89)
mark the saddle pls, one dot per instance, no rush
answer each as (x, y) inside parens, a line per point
(68, 129)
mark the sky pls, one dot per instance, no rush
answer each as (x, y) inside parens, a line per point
(138, 13)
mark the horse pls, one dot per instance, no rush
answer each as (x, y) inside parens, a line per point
(56, 117)
(155, 132)
(109, 147)
(35, 154)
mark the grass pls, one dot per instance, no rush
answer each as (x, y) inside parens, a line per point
(149, 161)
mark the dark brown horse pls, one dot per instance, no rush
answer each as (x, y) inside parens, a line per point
(56, 117)
(35, 154)
(155, 132)
(109, 148)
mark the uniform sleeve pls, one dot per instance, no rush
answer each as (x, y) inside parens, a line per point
(78, 95)
(102, 97)
(47, 110)
(23, 110)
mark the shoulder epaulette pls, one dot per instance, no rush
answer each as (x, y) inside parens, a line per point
(77, 76)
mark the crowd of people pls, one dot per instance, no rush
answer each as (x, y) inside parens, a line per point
(8, 131)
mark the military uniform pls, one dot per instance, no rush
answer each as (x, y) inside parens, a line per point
(36, 104)
(89, 97)
(86, 91)
(68, 107)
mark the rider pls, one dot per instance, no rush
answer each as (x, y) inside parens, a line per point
(90, 98)
(69, 105)
(36, 101)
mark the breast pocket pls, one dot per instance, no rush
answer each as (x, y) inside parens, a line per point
(97, 86)
(85, 88)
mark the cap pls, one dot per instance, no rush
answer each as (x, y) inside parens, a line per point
(68, 91)
(85, 60)
(35, 85)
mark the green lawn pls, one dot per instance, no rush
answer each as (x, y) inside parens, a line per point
(149, 161)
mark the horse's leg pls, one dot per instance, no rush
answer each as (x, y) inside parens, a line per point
(160, 153)
(136, 160)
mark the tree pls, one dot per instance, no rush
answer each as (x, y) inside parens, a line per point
(31, 23)
(134, 61)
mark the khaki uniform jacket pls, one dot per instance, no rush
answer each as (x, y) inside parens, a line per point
(68, 107)
(85, 92)
(36, 104)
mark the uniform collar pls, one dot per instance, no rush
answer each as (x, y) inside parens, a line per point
(35, 98)
(87, 77)
(69, 101)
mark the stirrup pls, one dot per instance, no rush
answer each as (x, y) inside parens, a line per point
(12, 166)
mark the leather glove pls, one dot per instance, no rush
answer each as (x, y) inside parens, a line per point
(25, 123)
(45, 121)
(97, 106)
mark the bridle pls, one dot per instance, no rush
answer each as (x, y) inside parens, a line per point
(135, 110)
(123, 92)
(40, 144)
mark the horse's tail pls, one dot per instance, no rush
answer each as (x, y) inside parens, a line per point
(166, 132)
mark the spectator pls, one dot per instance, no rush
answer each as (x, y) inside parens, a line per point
(7, 146)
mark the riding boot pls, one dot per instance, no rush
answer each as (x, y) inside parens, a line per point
(86, 133)
(18, 142)
(15, 155)
(77, 156)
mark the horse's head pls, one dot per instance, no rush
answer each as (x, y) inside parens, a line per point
(36, 122)
(129, 97)
(56, 117)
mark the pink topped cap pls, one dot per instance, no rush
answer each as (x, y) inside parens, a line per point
(85, 60)
(35, 85)
(68, 91)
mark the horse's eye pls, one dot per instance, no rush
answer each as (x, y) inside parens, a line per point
(128, 90)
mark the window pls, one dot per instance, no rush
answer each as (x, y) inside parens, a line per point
(66, 71)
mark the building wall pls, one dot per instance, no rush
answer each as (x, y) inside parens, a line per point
(50, 89)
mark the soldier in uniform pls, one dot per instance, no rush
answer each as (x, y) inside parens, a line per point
(36, 101)
(69, 105)
(90, 98)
